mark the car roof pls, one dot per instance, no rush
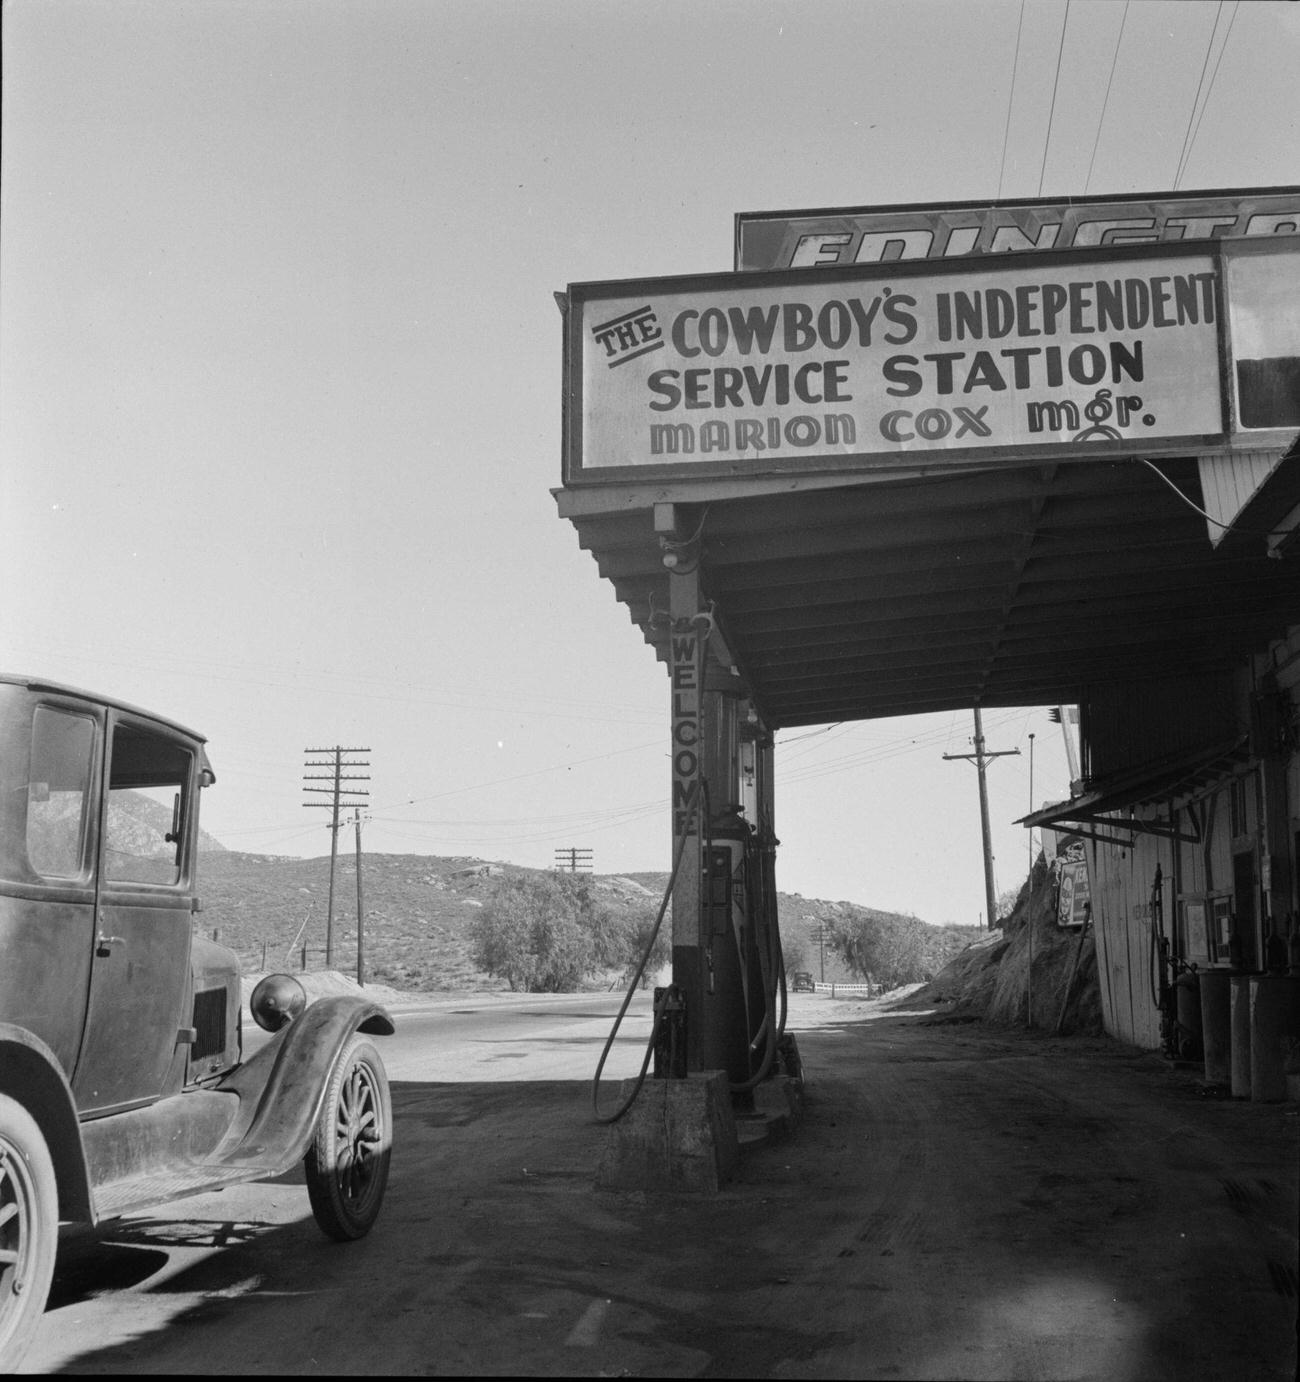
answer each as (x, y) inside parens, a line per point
(61, 689)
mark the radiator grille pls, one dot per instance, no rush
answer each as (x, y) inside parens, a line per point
(209, 1024)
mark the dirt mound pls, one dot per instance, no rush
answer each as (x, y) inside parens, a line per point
(991, 978)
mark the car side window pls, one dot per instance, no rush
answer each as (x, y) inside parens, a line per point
(148, 799)
(58, 791)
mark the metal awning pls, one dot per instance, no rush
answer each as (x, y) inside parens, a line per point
(1091, 814)
(881, 594)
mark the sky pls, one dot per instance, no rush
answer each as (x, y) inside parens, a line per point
(280, 373)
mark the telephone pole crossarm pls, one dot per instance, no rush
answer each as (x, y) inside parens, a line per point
(341, 798)
(573, 860)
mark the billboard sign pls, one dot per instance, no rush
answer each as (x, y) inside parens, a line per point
(947, 230)
(747, 374)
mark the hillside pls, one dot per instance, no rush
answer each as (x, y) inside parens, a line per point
(806, 924)
(418, 910)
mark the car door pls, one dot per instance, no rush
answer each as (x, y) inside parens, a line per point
(140, 965)
(51, 753)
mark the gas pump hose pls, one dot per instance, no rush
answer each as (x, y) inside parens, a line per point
(631, 989)
(755, 888)
(770, 972)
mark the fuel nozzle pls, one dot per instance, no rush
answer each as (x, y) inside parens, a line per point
(670, 1033)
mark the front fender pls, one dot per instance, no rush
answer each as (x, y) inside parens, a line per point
(281, 1088)
(31, 1075)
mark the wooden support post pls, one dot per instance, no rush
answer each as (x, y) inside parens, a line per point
(706, 966)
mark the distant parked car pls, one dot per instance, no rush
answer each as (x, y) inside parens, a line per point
(803, 982)
(122, 1078)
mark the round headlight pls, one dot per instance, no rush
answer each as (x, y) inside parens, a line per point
(276, 1001)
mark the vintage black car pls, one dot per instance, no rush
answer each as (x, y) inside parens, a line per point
(803, 982)
(122, 1082)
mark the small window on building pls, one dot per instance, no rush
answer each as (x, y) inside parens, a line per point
(58, 790)
(148, 800)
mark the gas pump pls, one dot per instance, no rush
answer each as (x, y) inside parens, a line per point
(726, 927)
(761, 842)
(740, 923)
(721, 1012)
(726, 896)
(1175, 987)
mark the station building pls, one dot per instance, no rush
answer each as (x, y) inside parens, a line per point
(928, 458)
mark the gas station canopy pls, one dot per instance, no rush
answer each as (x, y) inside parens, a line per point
(929, 485)
(1003, 586)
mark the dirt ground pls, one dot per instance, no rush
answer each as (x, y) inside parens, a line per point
(959, 1202)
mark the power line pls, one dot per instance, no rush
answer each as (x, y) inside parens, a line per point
(498, 830)
(1105, 101)
(1187, 157)
(1056, 81)
(399, 691)
(1192, 504)
(879, 753)
(519, 777)
(1191, 114)
(812, 733)
(1011, 96)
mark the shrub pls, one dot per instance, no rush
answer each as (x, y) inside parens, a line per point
(542, 933)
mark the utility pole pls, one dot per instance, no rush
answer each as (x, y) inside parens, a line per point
(1031, 804)
(980, 758)
(336, 791)
(1029, 914)
(361, 924)
(572, 860)
(819, 935)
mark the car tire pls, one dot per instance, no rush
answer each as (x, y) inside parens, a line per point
(29, 1229)
(347, 1162)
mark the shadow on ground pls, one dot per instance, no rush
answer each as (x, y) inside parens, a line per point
(958, 1202)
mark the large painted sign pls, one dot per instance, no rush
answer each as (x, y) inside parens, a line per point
(874, 235)
(749, 374)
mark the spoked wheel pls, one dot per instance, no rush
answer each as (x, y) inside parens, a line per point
(347, 1163)
(29, 1229)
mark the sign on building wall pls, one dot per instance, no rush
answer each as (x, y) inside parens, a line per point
(1196, 946)
(1263, 291)
(1074, 895)
(874, 235)
(774, 373)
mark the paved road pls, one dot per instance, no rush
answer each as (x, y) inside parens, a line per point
(114, 1295)
(959, 1202)
(506, 1037)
